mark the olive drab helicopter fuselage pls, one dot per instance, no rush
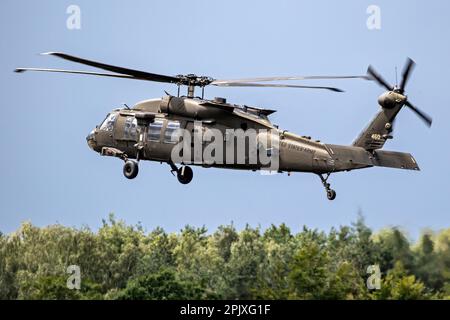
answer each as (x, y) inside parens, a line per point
(151, 129)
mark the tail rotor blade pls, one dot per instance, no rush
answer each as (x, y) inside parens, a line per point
(426, 118)
(377, 77)
(406, 73)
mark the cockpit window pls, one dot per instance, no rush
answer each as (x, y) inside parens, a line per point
(108, 124)
(130, 129)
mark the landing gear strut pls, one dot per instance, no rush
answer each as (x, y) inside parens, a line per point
(184, 173)
(331, 194)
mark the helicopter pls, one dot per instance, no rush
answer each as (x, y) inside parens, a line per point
(150, 130)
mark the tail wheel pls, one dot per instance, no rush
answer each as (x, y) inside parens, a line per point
(130, 169)
(185, 174)
(331, 194)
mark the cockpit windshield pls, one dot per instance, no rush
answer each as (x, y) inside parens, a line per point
(108, 123)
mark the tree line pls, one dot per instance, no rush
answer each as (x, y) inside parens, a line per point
(121, 261)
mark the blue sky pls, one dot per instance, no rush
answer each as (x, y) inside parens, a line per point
(49, 174)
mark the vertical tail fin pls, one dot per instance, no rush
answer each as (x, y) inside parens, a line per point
(379, 130)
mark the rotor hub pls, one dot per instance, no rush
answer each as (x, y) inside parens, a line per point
(194, 80)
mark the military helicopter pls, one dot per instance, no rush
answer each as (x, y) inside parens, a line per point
(148, 131)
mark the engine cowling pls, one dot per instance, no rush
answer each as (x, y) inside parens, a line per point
(188, 108)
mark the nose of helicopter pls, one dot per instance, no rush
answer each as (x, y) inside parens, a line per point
(90, 139)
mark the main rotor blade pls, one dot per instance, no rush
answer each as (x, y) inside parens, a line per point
(406, 73)
(130, 72)
(281, 78)
(231, 84)
(426, 118)
(21, 70)
(375, 76)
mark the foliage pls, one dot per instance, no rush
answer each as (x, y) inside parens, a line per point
(125, 262)
(162, 286)
(400, 286)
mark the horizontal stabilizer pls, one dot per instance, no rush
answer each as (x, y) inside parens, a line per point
(392, 159)
(350, 157)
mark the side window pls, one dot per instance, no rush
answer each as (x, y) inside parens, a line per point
(108, 124)
(154, 130)
(172, 132)
(130, 129)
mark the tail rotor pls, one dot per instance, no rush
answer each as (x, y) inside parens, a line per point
(400, 90)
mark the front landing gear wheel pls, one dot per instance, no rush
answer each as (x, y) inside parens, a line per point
(185, 174)
(130, 169)
(331, 194)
